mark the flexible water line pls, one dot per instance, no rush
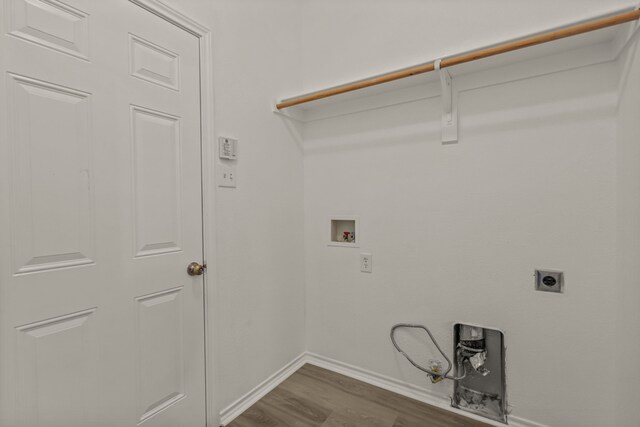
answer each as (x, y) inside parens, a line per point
(423, 369)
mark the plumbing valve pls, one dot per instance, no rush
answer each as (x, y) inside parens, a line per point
(435, 366)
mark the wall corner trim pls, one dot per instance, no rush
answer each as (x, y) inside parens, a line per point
(232, 411)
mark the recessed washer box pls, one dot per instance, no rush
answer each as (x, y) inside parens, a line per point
(344, 231)
(550, 281)
(480, 394)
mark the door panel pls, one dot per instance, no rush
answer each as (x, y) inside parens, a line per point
(157, 178)
(160, 359)
(153, 63)
(52, 204)
(100, 325)
(57, 357)
(52, 24)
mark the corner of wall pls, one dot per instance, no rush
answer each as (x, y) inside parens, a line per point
(628, 238)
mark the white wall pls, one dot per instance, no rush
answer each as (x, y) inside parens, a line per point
(456, 231)
(260, 224)
(348, 40)
(628, 244)
(258, 298)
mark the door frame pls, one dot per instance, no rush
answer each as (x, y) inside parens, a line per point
(207, 152)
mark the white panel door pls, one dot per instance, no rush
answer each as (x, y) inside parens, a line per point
(100, 214)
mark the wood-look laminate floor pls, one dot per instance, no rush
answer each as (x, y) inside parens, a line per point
(316, 397)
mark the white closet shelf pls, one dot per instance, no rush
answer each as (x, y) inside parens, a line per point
(583, 49)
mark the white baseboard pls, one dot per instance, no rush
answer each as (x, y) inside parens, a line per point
(378, 380)
(391, 384)
(407, 389)
(523, 422)
(229, 413)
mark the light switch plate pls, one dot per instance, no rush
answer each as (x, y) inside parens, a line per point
(227, 148)
(226, 176)
(366, 263)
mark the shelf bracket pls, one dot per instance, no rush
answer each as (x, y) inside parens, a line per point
(449, 106)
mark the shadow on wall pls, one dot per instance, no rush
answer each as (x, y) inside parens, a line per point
(518, 105)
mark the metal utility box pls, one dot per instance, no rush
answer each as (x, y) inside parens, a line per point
(480, 392)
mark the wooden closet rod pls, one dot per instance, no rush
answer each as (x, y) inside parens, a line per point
(573, 30)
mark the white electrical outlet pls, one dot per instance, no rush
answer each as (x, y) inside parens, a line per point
(366, 263)
(226, 176)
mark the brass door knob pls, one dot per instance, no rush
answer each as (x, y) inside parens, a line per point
(195, 269)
